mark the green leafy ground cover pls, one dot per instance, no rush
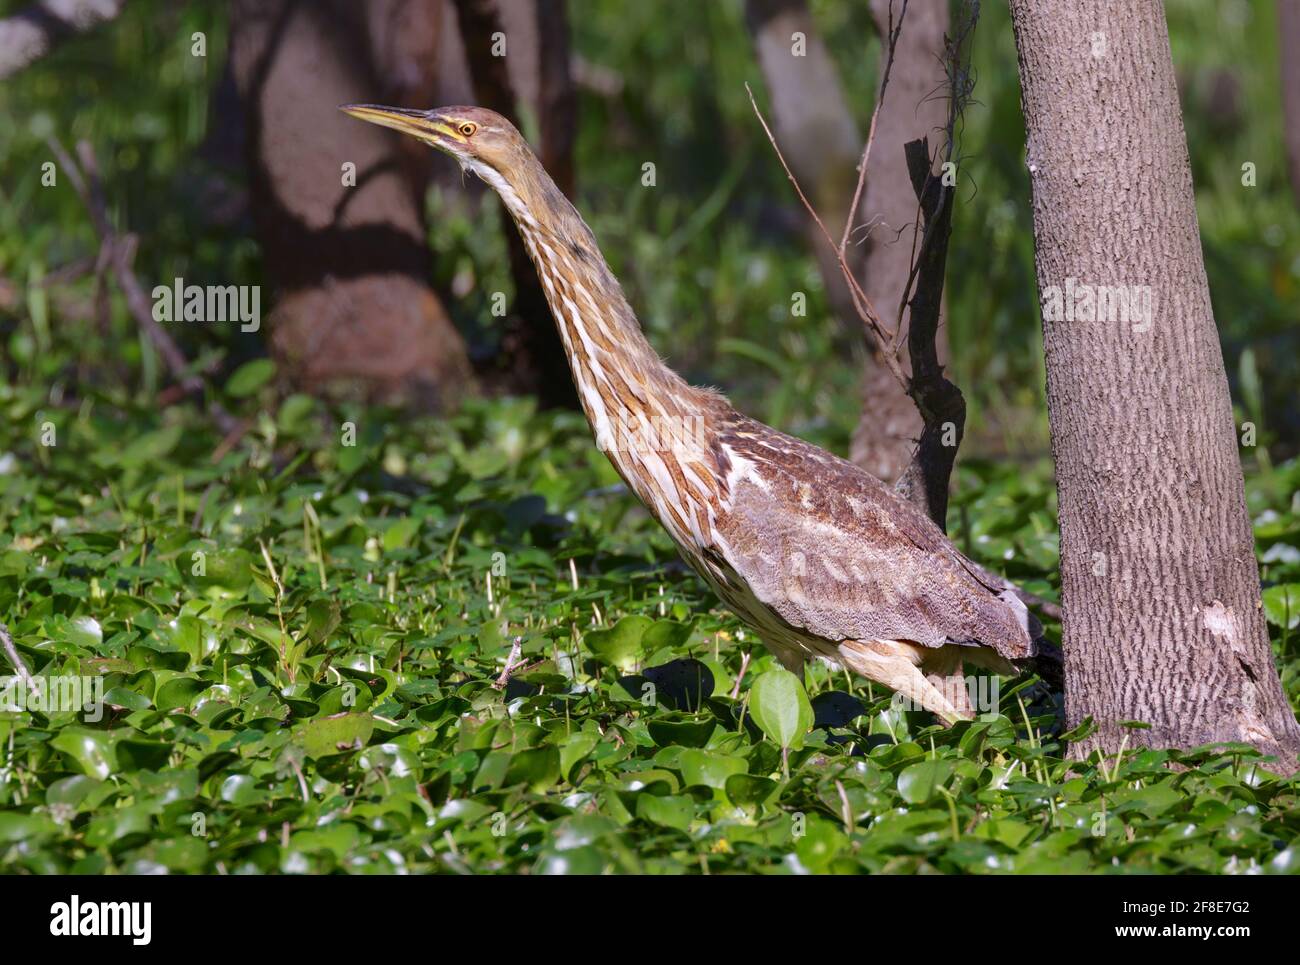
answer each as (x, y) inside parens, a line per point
(298, 641)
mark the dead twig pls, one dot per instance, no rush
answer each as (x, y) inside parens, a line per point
(939, 401)
(861, 303)
(120, 254)
(516, 652)
(892, 44)
(744, 665)
(887, 340)
(15, 658)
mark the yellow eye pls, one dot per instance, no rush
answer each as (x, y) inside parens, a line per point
(468, 128)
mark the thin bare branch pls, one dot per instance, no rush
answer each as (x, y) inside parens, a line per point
(15, 658)
(891, 46)
(86, 182)
(861, 303)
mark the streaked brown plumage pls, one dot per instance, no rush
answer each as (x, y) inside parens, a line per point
(817, 556)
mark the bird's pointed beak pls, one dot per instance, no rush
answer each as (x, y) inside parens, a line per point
(425, 125)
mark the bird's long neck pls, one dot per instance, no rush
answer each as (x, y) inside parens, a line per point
(616, 371)
(650, 423)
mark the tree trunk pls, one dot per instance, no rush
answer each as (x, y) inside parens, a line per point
(354, 312)
(29, 34)
(532, 359)
(1288, 41)
(915, 106)
(815, 129)
(821, 141)
(557, 97)
(1159, 581)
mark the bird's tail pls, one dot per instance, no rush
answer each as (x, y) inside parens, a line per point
(1046, 658)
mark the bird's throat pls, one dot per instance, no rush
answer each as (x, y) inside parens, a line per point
(621, 380)
(647, 420)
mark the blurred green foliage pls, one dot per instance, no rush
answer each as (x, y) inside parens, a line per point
(710, 258)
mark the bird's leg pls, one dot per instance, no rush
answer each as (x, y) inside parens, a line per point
(896, 665)
(943, 669)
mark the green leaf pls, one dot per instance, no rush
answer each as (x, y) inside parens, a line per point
(710, 769)
(178, 692)
(92, 750)
(142, 755)
(331, 735)
(111, 826)
(241, 790)
(323, 617)
(16, 827)
(1282, 605)
(400, 534)
(150, 447)
(574, 751)
(250, 377)
(780, 707)
(819, 844)
(127, 699)
(687, 732)
(620, 645)
(669, 811)
(294, 412)
(228, 570)
(538, 768)
(749, 791)
(84, 631)
(666, 634)
(71, 790)
(921, 781)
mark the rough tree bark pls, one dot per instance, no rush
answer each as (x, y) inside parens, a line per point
(405, 39)
(556, 95)
(355, 312)
(1159, 581)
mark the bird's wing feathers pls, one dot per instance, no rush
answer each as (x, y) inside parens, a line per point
(837, 554)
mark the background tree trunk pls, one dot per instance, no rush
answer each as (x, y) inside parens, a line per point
(531, 360)
(1159, 581)
(354, 311)
(1288, 40)
(812, 121)
(823, 145)
(915, 106)
(29, 34)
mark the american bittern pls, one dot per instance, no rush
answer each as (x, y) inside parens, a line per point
(820, 558)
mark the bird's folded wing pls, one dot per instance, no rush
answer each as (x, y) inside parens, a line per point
(836, 554)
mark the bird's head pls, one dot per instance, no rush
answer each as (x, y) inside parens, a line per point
(481, 140)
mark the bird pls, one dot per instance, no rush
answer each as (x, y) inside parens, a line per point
(818, 557)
